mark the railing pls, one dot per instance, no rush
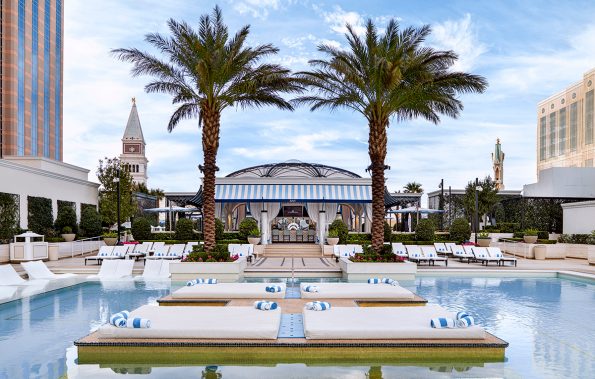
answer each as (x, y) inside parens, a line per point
(512, 252)
(82, 243)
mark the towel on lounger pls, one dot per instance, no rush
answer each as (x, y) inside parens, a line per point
(317, 306)
(273, 289)
(465, 322)
(196, 281)
(138, 322)
(373, 281)
(264, 305)
(443, 322)
(310, 288)
(461, 314)
(390, 281)
(119, 319)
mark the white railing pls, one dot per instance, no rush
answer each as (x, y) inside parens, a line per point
(85, 245)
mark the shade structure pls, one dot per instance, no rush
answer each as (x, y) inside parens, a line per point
(416, 210)
(345, 193)
(172, 209)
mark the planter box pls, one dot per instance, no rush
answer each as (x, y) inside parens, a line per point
(363, 270)
(223, 271)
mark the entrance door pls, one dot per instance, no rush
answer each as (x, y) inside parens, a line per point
(293, 225)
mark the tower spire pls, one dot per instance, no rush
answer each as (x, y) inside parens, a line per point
(498, 165)
(133, 147)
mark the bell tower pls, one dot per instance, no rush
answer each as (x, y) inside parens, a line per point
(498, 164)
(133, 157)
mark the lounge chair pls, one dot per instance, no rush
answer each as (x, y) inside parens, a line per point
(481, 255)
(229, 291)
(164, 273)
(124, 269)
(119, 252)
(38, 270)
(459, 252)
(366, 323)
(108, 270)
(399, 250)
(158, 247)
(9, 277)
(199, 323)
(441, 248)
(415, 255)
(152, 269)
(190, 247)
(359, 291)
(174, 252)
(104, 251)
(495, 252)
(430, 253)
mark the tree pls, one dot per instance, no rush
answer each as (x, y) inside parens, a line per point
(90, 225)
(9, 216)
(413, 187)
(384, 76)
(66, 217)
(142, 188)
(141, 229)
(206, 72)
(108, 192)
(486, 198)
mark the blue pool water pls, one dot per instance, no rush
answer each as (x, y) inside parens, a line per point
(547, 321)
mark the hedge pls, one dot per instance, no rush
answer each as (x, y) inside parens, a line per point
(90, 225)
(539, 241)
(66, 217)
(9, 215)
(40, 217)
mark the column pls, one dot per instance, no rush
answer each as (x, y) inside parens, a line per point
(321, 227)
(264, 227)
(23, 211)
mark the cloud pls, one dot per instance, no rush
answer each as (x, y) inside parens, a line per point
(338, 18)
(256, 8)
(460, 37)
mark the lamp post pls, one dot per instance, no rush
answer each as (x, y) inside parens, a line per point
(449, 207)
(441, 203)
(117, 181)
(477, 189)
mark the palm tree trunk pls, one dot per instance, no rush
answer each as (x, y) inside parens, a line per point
(377, 151)
(210, 145)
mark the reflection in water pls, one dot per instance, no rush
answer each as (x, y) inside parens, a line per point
(211, 372)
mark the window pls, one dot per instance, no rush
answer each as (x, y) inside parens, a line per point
(589, 117)
(21, 79)
(34, 86)
(573, 125)
(542, 139)
(46, 79)
(562, 131)
(552, 135)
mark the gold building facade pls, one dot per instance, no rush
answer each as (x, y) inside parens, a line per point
(31, 78)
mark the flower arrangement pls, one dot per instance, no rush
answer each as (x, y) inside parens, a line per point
(484, 234)
(385, 256)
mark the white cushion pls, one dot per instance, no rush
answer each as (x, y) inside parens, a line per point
(358, 291)
(229, 291)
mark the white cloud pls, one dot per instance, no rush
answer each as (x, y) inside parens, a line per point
(338, 18)
(459, 36)
(256, 8)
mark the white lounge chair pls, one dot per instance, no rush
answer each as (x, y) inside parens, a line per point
(459, 252)
(152, 269)
(415, 255)
(399, 250)
(430, 253)
(108, 270)
(104, 251)
(141, 248)
(124, 269)
(9, 277)
(159, 247)
(481, 255)
(190, 247)
(441, 248)
(495, 252)
(119, 252)
(38, 270)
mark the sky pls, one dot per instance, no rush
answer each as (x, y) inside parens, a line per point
(526, 50)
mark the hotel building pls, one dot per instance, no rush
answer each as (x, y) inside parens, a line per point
(31, 78)
(565, 123)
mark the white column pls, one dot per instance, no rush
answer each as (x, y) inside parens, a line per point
(264, 227)
(54, 209)
(321, 226)
(23, 211)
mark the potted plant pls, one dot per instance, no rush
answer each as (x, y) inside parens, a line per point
(333, 237)
(483, 239)
(67, 234)
(254, 236)
(110, 238)
(530, 236)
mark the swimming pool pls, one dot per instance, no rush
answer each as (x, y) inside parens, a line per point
(547, 321)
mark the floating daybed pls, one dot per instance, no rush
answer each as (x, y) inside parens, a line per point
(190, 294)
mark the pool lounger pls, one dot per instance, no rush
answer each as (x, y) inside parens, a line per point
(359, 291)
(229, 291)
(199, 323)
(354, 323)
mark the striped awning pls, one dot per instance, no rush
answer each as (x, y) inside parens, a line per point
(293, 192)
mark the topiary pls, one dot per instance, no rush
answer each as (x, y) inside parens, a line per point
(90, 225)
(388, 233)
(219, 229)
(66, 217)
(184, 230)
(40, 217)
(141, 229)
(246, 226)
(342, 230)
(424, 230)
(460, 230)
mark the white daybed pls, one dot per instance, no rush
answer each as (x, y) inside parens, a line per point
(200, 322)
(354, 323)
(229, 291)
(359, 291)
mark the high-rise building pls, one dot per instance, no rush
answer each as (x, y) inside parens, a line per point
(133, 157)
(31, 78)
(565, 126)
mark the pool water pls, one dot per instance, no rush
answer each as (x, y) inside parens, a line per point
(547, 321)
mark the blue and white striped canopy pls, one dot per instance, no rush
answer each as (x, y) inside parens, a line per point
(293, 192)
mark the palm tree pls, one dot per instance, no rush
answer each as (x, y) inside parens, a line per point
(393, 76)
(413, 187)
(205, 71)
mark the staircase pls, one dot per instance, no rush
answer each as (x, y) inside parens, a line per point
(293, 250)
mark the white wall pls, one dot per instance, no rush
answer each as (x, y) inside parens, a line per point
(578, 218)
(563, 182)
(63, 182)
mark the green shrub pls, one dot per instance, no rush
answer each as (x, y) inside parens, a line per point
(90, 225)
(424, 231)
(403, 237)
(443, 237)
(254, 233)
(358, 237)
(543, 235)
(508, 227)
(9, 216)
(369, 255)
(110, 235)
(333, 233)
(67, 230)
(184, 229)
(219, 229)
(231, 236)
(141, 229)
(342, 230)
(483, 235)
(531, 232)
(54, 239)
(460, 230)
(40, 217)
(246, 227)
(388, 233)
(66, 216)
(219, 254)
